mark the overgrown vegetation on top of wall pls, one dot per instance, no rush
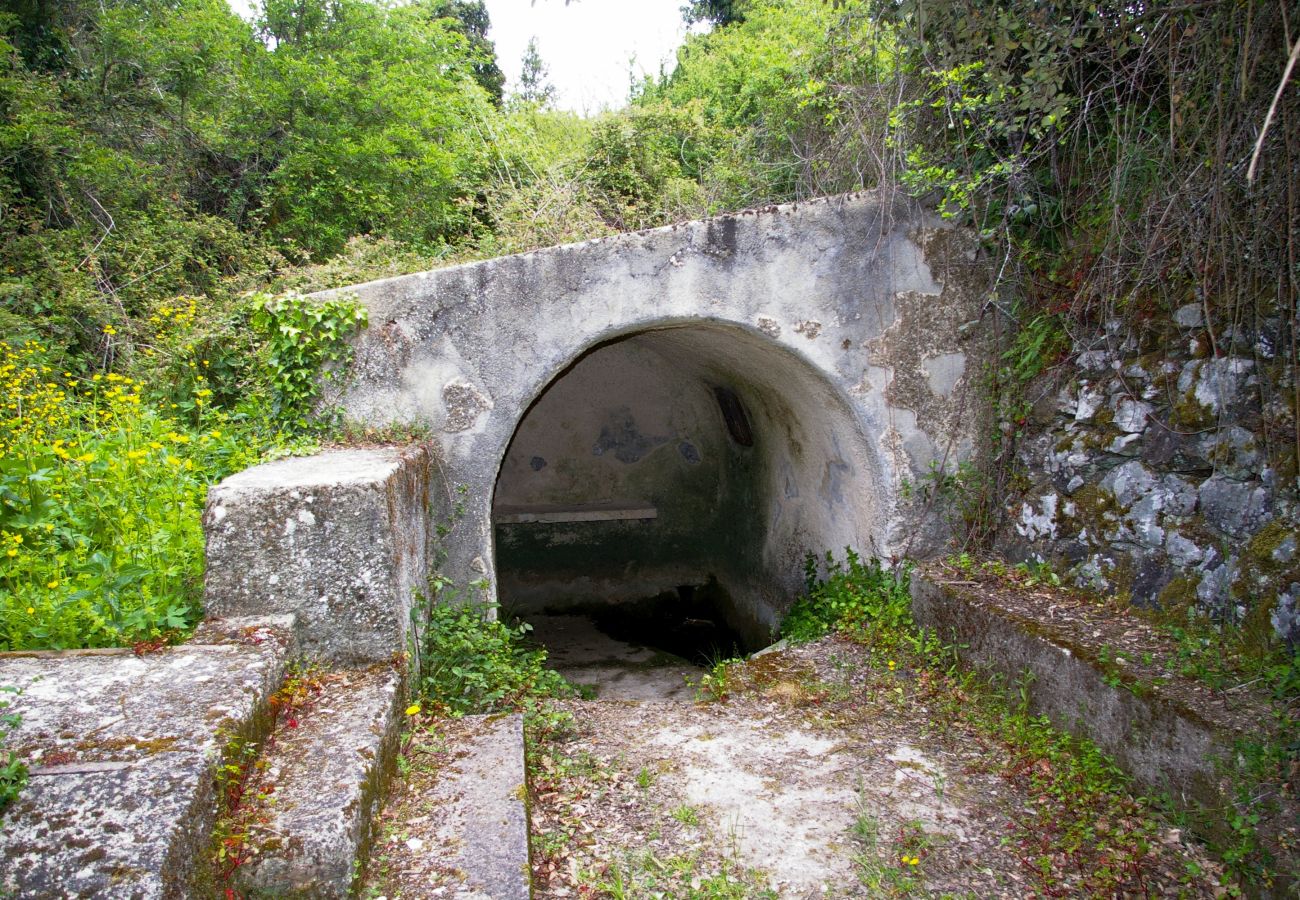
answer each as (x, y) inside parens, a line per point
(103, 478)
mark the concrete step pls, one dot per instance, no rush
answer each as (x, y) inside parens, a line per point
(458, 825)
(324, 770)
(123, 750)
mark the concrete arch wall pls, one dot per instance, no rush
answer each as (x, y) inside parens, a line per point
(870, 299)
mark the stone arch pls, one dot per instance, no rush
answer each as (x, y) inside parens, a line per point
(677, 454)
(870, 293)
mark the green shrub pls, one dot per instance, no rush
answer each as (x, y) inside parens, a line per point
(853, 596)
(102, 486)
(470, 662)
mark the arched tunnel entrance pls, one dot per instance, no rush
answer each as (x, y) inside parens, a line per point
(665, 488)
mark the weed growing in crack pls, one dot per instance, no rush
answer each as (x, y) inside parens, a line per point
(892, 869)
(685, 876)
(715, 684)
(687, 815)
(244, 792)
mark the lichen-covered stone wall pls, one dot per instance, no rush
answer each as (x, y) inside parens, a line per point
(1164, 471)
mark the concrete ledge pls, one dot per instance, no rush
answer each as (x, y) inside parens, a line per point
(587, 512)
(340, 540)
(1163, 746)
(124, 750)
(479, 801)
(328, 772)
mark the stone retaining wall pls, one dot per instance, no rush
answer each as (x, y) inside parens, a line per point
(1163, 471)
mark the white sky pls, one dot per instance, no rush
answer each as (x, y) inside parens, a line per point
(588, 46)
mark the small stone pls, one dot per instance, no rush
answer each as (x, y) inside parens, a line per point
(1142, 518)
(1217, 384)
(1233, 452)
(1129, 483)
(1122, 444)
(1087, 405)
(1094, 360)
(1236, 508)
(1285, 617)
(1284, 552)
(415, 845)
(1213, 589)
(1189, 316)
(1181, 551)
(1179, 495)
(1034, 526)
(1131, 415)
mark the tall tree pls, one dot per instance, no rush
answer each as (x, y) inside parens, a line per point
(470, 18)
(533, 84)
(716, 12)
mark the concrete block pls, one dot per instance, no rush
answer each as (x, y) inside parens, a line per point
(123, 751)
(329, 770)
(340, 540)
(479, 803)
(1161, 741)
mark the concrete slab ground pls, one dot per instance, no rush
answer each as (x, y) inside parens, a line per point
(456, 825)
(828, 771)
(123, 751)
(613, 669)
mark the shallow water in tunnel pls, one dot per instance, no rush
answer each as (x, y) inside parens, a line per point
(653, 649)
(611, 669)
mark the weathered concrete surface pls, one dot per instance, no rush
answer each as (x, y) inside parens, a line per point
(478, 807)
(328, 770)
(836, 323)
(123, 750)
(340, 540)
(1164, 744)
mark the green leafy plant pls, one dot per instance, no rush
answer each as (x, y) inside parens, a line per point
(715, 684)
(687, 815)
(13, 771)
(305, 341)
(471, 662)
(854, 596)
